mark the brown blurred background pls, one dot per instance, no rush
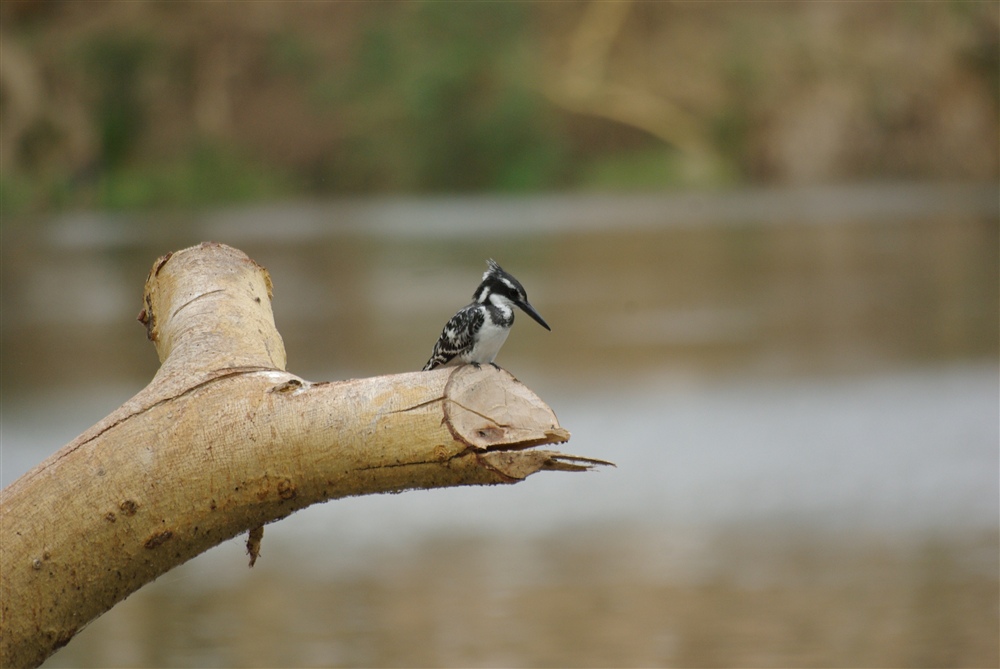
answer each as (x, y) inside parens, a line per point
(765, 234)
(111, 104)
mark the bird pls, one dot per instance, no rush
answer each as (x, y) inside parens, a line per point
(475, 334)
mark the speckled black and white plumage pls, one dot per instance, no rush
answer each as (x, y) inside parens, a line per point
(476, 333)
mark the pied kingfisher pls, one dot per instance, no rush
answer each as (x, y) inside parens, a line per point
(476, 333)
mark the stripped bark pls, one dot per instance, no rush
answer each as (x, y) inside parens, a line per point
(223, 441)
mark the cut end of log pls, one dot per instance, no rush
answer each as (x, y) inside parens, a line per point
(217, 284)
(488, 409)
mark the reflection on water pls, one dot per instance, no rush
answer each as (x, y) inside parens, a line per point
(800, 390)
(358, 293)
(572, 600)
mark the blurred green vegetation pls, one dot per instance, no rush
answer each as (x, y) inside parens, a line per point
(206, 175)
(114, 65)
(190, 104)
(203, 176)
(440, 101)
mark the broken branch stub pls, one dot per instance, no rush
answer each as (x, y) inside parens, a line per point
(223, 441)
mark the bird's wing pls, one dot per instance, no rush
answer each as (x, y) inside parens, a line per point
(456, 336)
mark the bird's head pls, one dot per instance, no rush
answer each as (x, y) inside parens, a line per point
(499, 284)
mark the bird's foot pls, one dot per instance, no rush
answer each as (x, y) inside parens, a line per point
(479, 365)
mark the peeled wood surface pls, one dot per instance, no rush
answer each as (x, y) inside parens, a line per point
(223, 441)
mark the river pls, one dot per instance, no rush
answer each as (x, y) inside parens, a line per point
(799, 388)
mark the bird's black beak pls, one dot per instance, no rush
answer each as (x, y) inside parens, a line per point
(530, 310)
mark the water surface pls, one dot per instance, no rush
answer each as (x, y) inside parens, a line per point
(800, 390)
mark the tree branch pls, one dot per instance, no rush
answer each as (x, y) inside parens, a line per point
(223, 441)
(586, 86)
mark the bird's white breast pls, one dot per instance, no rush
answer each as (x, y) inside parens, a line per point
(488, 342)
